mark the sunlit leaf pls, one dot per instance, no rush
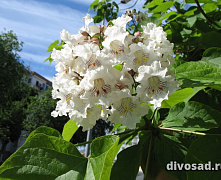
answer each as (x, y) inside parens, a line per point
(192, 116)
(69, 129)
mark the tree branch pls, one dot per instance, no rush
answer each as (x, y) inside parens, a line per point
(204, 14)
(180, 130)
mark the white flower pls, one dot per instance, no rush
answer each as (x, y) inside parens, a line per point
(88, 120)
(155, 85)
(88, 85)
(142, 55)
(115, 35)
(122, 21)
(87, 19)
(127, 111)
(98, 86)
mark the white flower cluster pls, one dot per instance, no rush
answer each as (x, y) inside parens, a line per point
(104, 72)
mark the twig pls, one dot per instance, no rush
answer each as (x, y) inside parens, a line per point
(129, 7)
(204, 14)
(180, 130)
(80, 144)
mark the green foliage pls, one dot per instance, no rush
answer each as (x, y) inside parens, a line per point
(127, 168)
(169, 148)
(15, 94)
(69, 129)
(105, 10)
(199, 74)
(182, 95)
(43, 157)
(44, 130)
(192, 116)
(205, 150)
(53, 45)
(39, 113)
(185, 129)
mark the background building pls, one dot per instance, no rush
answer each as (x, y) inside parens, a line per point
(39, 81)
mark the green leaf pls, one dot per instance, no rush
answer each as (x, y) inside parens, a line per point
(192, 116)
(209, 7)
(167, 15)
(103, 152)
(44, 130)
(198, 74)
(182, 95)
(169, 148)
(50, 157)
(191, 20)
(163, 7)
(115, 127)
(44, 157)
(93, 4)
(211, 39)
(69, 129)
(190, 12)
(154, 3)
(204, 153)
(52, 46)
(49, 59)
(212, 55)
(98, 19)
(118, 67)
(127, 164)
(200, 1)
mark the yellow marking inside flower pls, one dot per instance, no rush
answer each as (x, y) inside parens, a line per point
(88, 112)
(144, 59)
(141, 57)
(66, 70)
(117, 46)
(131, 109)
(125, 111)
(145, 38)
(68, 97)
(127, 107)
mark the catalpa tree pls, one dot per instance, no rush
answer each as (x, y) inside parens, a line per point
(154, 76)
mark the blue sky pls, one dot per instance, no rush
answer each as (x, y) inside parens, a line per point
(38, 23)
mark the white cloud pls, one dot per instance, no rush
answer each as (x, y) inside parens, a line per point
(38, 24)
(32, 57)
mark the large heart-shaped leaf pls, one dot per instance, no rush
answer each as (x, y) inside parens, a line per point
(192, 116)
(127, 164)
(204, 158)
(169, 149)
(198, 74)
(45, 156)
(182, 95)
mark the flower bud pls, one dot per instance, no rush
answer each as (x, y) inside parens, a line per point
(133, 11)
(95, 40)
(84, 33)
(137, 34)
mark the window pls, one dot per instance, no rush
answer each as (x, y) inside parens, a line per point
(29, 80)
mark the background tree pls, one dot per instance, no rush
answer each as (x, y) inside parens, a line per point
(39, 113)
(14, 92)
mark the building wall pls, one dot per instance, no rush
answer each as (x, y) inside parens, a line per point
(39, 81)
